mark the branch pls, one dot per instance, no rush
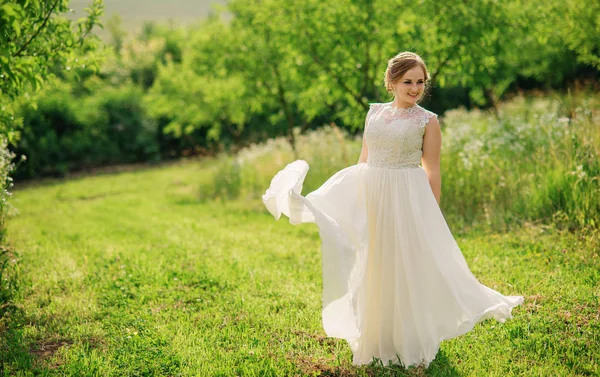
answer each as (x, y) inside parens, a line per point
(439, 68)
(38, 54)
(18, 53)
(90, 22)
(313, 54)
(84, 35)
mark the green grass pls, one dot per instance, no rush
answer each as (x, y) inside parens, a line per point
(180, 271)
(131, 275)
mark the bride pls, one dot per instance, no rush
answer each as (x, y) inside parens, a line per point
(395, 283)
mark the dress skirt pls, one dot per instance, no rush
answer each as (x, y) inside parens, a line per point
(395, 283)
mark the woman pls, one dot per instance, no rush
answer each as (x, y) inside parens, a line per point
(395, 283)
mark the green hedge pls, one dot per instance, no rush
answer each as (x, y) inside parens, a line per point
(66, 132)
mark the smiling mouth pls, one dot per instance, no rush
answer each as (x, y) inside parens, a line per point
(413, 95)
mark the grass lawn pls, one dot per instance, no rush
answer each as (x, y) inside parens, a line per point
(130, 275)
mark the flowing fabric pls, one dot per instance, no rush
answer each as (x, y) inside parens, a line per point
(395, 283)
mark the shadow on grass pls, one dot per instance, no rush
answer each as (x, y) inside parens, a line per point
(12, 318)
(441, 366)
(14, 353)
(20, 354)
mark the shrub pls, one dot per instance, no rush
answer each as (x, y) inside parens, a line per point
(67, 132)
(527, 165)
(7, 285)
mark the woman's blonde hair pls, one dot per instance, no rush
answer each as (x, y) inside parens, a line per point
(399, 65)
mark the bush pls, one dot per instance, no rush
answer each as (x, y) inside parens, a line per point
(6, 183)
(528, 164)
(7, 285)
(67, 133)
(123, 119)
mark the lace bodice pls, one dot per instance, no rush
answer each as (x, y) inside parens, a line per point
(394, 136)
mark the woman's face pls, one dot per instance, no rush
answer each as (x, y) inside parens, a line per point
(409, 89)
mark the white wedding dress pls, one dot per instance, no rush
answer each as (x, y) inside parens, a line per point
(395, 283)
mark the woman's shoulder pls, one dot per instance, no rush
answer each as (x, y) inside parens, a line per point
(374, 107)
(426, 117)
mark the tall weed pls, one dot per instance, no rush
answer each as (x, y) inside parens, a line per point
(247, 174)
(528, 164)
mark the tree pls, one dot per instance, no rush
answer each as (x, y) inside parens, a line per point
(197, 93)
(301, 64)
(580, 29)
(36, 42)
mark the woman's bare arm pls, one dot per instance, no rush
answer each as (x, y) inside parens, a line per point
(364, 152)
(432, 144)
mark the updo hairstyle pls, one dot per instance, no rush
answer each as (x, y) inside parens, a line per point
(399, 65)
